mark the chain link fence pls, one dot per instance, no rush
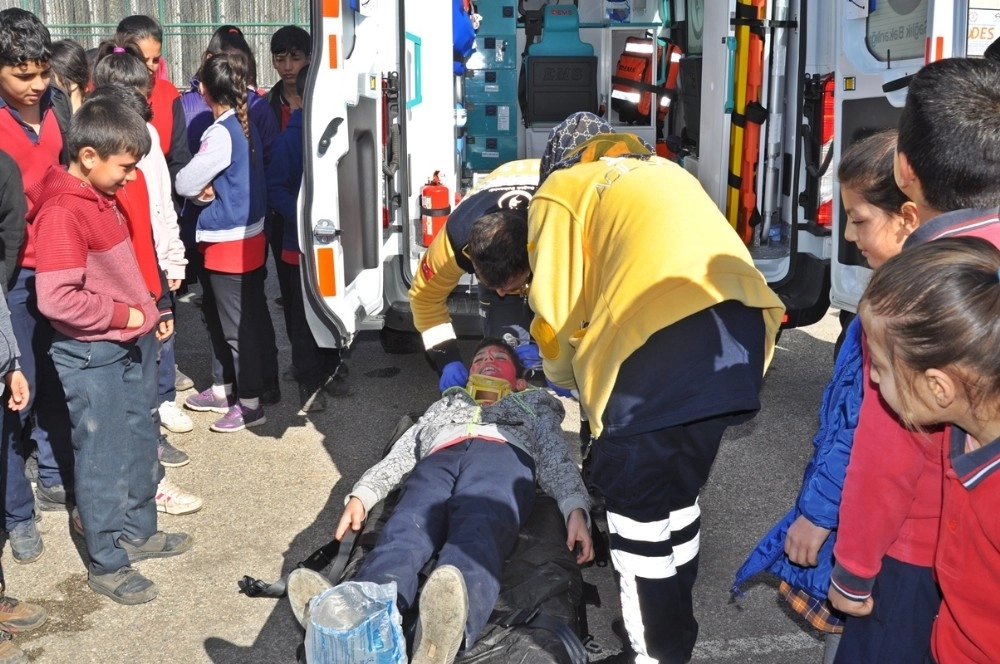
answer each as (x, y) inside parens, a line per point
(187, 26)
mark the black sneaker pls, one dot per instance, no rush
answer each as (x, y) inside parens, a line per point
(25, 542)
(312, 398)
(271, 395)
(158, 545)
(170, 456)
(125, 586)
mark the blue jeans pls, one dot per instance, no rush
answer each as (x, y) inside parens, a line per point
(51, 429)
(115, 444)
(467, 503)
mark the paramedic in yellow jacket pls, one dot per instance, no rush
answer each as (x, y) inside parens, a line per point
(649, 308)
(486, 233)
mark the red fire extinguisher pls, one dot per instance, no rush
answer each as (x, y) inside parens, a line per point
(434, 208)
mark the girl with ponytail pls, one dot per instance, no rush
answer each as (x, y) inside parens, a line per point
(226, 176)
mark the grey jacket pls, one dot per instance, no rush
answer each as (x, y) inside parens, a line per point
(530, 420)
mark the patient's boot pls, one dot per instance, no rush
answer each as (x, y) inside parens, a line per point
(303, 585)
(444, 607)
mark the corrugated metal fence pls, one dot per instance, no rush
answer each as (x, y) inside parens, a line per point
(187, 25)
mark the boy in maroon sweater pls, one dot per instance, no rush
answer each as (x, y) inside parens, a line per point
(91, 288)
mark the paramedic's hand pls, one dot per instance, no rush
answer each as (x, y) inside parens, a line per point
(849, 606)
(454, 374)
(18, 386)
(353, 518)
(164, 329)
(577, 532)
(560, 391)
(135, 318)
(528, 354)
(803, 542)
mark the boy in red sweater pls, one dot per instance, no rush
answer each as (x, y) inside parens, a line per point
(91, 287)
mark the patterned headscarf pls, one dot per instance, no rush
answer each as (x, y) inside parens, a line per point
(565, 140)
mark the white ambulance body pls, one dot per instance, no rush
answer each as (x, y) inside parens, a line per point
(381, 119)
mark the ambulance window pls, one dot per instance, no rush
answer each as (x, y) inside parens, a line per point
(695, 26)
(896, 30)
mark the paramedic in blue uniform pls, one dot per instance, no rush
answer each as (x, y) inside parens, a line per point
(648, 307)
(496, 208)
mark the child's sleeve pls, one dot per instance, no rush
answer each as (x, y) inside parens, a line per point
(284, 177)
(180, 150)
(13, 208)
(376, 482)
(60, 279)
(886, 463)
(556, 471)
(214, 156)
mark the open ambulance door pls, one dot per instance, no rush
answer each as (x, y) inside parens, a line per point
(373, 75)
(762, 64)
(878, 50)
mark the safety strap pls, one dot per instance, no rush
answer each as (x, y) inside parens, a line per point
(339, 552)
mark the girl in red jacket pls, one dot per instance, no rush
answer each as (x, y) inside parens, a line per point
(931, 318)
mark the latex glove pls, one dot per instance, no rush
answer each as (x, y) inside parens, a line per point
(528, 354)
(560, 391)
(454, 374)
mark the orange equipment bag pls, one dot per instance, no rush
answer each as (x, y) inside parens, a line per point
(633, 89)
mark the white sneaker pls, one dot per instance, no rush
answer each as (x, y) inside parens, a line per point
(171, 499)
(174, 419)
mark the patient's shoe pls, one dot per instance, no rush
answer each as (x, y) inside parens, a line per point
(444, 607)
(303, 585)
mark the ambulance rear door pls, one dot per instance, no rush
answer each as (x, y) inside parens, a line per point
(878, 50)
(369, 126)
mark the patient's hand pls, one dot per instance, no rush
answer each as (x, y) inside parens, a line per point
(353, 518)
(578, 533)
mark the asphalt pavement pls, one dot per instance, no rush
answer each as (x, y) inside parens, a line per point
(273, 494)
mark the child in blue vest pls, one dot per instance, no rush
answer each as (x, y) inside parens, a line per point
(227, 176)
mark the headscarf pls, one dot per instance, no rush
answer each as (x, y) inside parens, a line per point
(566, 140)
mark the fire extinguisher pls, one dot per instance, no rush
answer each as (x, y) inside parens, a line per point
(434, 208)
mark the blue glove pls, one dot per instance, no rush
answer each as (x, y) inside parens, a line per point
(454, 374)
(528, 354)
(560, 391)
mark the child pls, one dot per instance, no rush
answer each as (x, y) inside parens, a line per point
(168, 114)
(291, 50)
(70, 70)
(931, 317)
(312, 366)
(31, 134)
(90, 286)
(227, 175)
(143, 231)
(118, 65)
(799, 549)
(946, 164)
(230, 39)
(472, 460)
(15, 616)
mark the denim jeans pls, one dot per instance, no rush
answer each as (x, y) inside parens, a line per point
(467, 503)
(115, 444)
(51, 429)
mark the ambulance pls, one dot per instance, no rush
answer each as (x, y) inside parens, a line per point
(756, 98)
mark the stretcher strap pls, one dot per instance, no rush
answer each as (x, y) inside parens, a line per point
(334, 551)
